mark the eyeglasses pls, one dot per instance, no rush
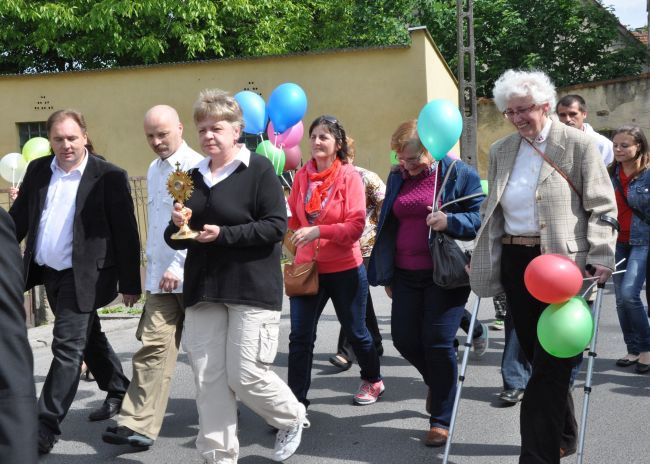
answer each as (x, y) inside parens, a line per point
(411, 160)
(510, 114)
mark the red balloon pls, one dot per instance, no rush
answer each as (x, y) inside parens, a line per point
(553, 278)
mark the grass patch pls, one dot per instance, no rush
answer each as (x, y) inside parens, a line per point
(120, 310)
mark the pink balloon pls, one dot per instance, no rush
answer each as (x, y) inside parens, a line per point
(453, 155)
(289, 138)
(292, 157)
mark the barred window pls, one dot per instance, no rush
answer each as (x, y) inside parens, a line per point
(28, 130)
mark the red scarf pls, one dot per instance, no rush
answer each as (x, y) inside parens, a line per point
(319, 185)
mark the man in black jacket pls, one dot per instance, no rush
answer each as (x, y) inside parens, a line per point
(17, 393)
(82, 240)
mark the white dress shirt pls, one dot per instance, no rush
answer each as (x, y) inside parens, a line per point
(518, 199)
(160, 257)
(605, 146)
(242, 156)
(55, 229)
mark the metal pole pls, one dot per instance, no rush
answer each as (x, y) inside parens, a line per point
(461, 379)
(590, 371)
(466, 84)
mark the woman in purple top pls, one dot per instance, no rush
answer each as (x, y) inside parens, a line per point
(424, 317)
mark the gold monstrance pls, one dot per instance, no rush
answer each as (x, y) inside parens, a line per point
(180, 187)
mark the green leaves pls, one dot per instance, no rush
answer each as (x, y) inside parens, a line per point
(572, 41)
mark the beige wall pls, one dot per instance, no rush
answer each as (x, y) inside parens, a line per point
(370, 90)
(610, 104)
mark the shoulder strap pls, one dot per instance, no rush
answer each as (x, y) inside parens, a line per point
(442, 186)
(458, 200)
(554, 166)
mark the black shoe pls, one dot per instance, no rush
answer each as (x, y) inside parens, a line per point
(46, 441)
(341, 362)
(625, 362)
(108, 409)
(513, 396)
(125, 436)
(641, 368)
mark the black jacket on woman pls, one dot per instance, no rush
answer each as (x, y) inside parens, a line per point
(242, 266)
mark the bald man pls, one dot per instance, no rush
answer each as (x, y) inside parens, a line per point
(161, 323)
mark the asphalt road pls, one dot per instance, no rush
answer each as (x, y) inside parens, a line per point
(390, 431)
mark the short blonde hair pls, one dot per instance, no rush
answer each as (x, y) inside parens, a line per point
(406, 135)
(220, 105)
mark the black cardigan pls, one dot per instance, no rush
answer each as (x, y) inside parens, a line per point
(242, 266)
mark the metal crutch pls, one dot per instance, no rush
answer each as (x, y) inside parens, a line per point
(461, 378)
(590, 368)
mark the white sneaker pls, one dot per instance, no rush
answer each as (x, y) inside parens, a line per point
(287, 441)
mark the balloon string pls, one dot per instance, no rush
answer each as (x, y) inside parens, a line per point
(589, 289)
(285, 182)
(598, 277)
(435, 187)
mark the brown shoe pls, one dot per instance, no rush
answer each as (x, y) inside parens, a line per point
(437, 436)
(564, 452)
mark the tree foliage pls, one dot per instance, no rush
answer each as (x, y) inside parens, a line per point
(571, 40)
(60, 35)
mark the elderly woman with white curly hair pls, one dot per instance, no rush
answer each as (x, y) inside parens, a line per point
(549, 193)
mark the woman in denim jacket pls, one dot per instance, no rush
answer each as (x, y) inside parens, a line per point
(424, 317)
(630, 175)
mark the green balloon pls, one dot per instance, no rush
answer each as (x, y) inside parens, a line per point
(274, 154)
(565, 329)
(36, 147)
(393, 158)
(484, 186)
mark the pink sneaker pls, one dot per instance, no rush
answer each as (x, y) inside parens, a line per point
(369, 392)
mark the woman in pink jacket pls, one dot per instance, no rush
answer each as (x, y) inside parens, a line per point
(328, 214)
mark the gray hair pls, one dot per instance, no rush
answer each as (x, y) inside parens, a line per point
(513, 84)
(220, 105)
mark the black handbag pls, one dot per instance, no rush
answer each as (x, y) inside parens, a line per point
(449, 261)
(449, 258)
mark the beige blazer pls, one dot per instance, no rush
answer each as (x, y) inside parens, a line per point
(568, 226)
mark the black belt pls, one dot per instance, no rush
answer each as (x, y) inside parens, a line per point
(52, 270)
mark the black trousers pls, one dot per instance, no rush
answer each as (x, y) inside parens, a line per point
(547, 420)
(77, 336)
(343, 346)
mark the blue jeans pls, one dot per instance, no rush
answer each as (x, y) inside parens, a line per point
(515, 368)
(631, 313)
(348, 291)
(424, 322)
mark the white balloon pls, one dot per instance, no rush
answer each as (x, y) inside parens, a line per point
(12, 167)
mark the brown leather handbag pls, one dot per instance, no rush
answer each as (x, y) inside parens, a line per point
(302, 279)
